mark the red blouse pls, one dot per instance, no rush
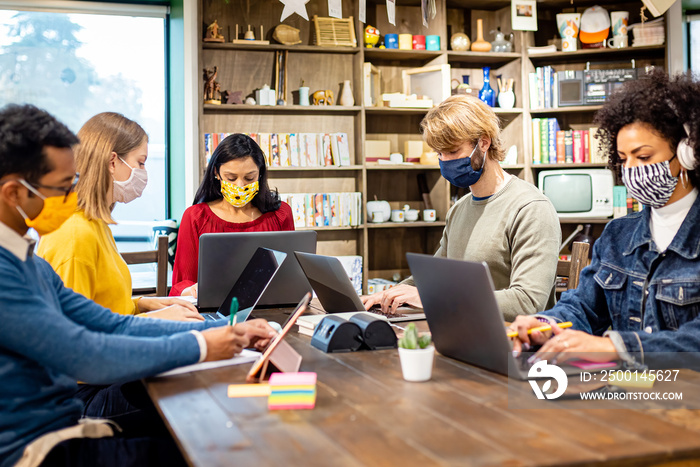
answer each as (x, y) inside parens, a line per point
(200, 219)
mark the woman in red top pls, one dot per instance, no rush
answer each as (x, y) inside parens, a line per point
(233, 197)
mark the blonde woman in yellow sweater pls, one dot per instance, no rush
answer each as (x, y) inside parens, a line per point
(111, 160)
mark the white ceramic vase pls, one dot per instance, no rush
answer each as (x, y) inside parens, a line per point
(346, 97)
(417, 364)
(506, 99)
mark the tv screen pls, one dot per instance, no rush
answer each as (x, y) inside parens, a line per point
(570, 193)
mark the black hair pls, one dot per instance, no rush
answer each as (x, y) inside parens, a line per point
(665, 103)
(237, 146)
(24, 133)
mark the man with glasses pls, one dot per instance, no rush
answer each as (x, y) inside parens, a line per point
(51, 337)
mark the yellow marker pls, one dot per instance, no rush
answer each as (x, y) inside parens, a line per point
(546, 327)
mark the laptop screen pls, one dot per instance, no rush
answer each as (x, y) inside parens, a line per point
(253, 280)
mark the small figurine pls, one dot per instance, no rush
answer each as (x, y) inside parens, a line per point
(211, 87)
(322, 97)
(213, 33)
(371, 36)
(249, 100)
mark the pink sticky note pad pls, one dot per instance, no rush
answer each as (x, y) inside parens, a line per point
(584, 365)
(303, 378)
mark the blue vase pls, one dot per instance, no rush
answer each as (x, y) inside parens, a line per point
(486, 94)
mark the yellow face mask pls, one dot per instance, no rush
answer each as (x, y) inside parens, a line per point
(56, 210)
(239, 196)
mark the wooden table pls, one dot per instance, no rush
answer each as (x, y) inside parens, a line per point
(366, 414)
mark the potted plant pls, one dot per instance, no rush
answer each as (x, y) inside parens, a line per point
(416, 354)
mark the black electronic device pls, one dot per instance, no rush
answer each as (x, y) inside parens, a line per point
(570, 88)
(335, 334)
(376, 332)
(600, 84)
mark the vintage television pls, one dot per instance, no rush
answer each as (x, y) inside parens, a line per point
(584, 193)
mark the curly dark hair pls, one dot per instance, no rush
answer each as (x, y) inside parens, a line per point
(237, 146)
(25, 131)
(663, 102)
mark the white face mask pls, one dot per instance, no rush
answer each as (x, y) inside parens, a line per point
(132, 187)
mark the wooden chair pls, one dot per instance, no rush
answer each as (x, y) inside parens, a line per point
(572, 269)
(158, 256)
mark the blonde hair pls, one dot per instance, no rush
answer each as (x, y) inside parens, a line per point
(461, 119)
(102, 135)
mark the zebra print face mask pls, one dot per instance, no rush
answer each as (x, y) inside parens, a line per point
(651, 184)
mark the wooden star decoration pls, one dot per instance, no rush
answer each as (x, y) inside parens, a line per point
(294, 6)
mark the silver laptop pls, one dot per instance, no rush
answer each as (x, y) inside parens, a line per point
(222, 257)
(463, 315)
(250, 285)
(335, 291)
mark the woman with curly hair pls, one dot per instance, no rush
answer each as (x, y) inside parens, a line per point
(233, 197)
(641, 292)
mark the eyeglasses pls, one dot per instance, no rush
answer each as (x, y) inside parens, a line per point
(33, 186)
(66, 191)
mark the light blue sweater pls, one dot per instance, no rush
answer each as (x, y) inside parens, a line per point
(51, 337)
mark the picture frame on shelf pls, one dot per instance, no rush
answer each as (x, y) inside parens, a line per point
(523, 15)
(432, 81)
(372, 85)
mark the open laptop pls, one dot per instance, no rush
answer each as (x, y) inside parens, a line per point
(249, 286)
(335, 291)
(222, 257)
(463, 315)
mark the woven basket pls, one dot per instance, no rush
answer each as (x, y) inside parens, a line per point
(334, 32)
(287, 35)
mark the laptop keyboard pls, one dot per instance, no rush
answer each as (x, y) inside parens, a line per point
(378, 311)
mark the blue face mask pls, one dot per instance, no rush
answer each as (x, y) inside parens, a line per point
(459, 172)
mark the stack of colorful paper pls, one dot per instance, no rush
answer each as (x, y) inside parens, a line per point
(292, 391)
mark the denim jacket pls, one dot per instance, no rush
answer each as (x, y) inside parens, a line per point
(650, 299)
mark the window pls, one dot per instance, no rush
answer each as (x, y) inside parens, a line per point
(85, 58)
(694, 43)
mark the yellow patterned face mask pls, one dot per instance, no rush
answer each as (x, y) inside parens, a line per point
(239, 196)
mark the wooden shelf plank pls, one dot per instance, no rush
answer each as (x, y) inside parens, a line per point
(374, 166)
(300, 109)
(582, 55)
(569, 165)
(406, 111)
(329, 228)
(395, 225)
(482, 58)
(401, 54)
(275, 47)
(341, 168)
(572, 109)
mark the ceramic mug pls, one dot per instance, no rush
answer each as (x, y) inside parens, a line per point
(391, 41)
(568, 44)
(405, 41)
(376, 216)
(397, 215)
(617, 42)
(411, 215)
(396, 158)
(429, 215)
(418, 42)
(432, 42)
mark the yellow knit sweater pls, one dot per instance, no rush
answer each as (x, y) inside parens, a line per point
(84, 254)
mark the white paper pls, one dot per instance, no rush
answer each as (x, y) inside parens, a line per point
(247, 356)
(391, 11)
(363, 11)
(335, 8)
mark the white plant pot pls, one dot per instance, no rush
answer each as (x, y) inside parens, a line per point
(417, 364)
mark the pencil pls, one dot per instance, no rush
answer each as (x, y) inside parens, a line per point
(546, 327)
(233, 311)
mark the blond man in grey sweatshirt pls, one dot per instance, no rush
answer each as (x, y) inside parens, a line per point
(506, 222)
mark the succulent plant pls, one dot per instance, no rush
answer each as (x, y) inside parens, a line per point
(411, 340)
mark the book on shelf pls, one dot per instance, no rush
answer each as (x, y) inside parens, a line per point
(543, 86)
(561, 156)
(283, 144)
(619, 201)
(536, 153)
(544, 140)
(553, 127)
(578, 146)
(294, 150)
(586, 146)
(274, 150)
(264, 143)
(325, 209)
(597, 155)
(568, 146)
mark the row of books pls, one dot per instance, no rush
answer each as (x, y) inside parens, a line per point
(544, 88)
(623, 204)
(552, 145)
(325, 209)
(293, 149)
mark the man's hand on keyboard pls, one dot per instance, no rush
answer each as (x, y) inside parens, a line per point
(389, 300)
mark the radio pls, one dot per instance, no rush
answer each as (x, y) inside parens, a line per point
(600, 84)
